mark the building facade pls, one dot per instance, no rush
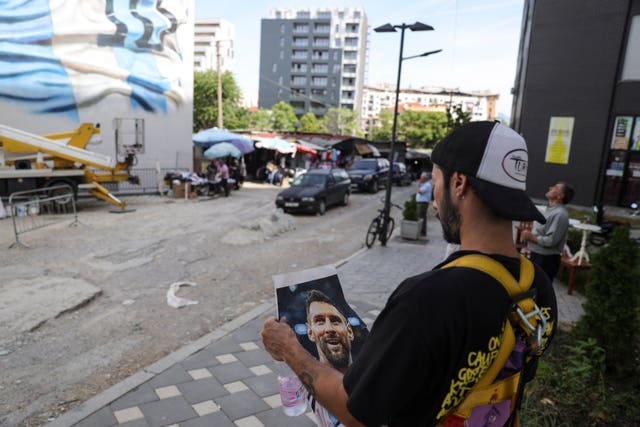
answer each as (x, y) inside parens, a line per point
(481, 105)
(313, 59)
(213, 37)
(576, 98)
(127, 67)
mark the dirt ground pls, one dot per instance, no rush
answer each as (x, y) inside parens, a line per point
(96, 292)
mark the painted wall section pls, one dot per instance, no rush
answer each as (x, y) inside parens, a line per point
(64, 62)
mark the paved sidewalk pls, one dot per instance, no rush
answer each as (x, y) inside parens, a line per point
(227, 379)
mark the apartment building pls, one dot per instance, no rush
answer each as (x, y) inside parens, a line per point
(213, 36)
(313, 59)
(480, 104)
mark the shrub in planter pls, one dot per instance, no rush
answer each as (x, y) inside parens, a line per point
(411, 223)
(410, 211)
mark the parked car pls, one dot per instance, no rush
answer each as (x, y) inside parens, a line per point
(369, 174)
(316, 190)
(400, 175)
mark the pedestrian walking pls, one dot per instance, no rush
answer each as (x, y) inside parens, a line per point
(423, 197)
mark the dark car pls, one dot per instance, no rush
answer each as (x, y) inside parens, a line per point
(369, 174)
(315, 190)
(400, 175)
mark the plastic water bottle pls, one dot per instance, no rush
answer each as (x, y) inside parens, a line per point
(292, 396)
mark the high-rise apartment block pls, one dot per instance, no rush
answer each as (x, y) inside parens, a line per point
(313, 59)
(213, 37)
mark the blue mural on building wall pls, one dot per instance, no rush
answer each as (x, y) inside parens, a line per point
(59, 56)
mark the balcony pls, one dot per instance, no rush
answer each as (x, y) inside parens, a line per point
(300, 29)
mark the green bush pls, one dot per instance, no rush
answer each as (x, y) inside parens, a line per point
(572, 388)
(611, 309)
(410, 211)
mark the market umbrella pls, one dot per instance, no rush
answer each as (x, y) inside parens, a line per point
(208, 137)
(278, 144)
(244, 145)
(222, 149)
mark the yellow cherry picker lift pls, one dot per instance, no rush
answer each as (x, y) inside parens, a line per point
(29, 161)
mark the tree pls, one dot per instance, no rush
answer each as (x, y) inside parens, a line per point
(421, 129)
(284, 119)
(340, 121)
(382, 133)
(456, 117)
(205, 100)
(261, 120)
(309, 123)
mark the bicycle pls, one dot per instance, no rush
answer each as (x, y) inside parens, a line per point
(375, 228)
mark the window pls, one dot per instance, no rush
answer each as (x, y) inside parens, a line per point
(299, 80)
(321, 41)
(336, 55)
(320, 68)
(300, 54)
(319, 81)
(274, 67)
(349, 68)
(281, 41)
(356, 15)
(324, 15)
(351, 41)
(631, 65)
(282, 54)
(281, 28)
(300, 41)
(303, 14)
(337, 28)
(352, 28)
(350, 54)
(337, 41)
(299, 67)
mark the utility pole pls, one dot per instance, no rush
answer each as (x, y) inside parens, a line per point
(219, 72)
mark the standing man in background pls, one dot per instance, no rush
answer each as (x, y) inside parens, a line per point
(423, 197)
(223, 172)
(546, 241)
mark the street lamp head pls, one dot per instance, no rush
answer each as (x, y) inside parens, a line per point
(386, 28)
(419, 26)
(430, 52)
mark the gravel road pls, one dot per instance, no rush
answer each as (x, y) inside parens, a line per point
(89, 302)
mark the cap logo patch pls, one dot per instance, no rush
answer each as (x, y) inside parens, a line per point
(514, 164)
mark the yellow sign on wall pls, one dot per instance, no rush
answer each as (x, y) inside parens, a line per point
(559, 140)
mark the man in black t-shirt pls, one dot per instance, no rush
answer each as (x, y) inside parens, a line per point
(439, 331)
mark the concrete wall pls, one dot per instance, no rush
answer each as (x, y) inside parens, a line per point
(571, 70)
(94, 61)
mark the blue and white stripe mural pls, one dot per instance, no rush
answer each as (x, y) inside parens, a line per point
(58, 57)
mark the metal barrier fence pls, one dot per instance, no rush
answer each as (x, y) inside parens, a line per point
(34, 209)
(151, 181)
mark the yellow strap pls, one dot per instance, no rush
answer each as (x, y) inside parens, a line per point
(492, 393)
(498, 271)
(484, 391)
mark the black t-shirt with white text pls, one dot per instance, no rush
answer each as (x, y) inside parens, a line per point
(431, 343)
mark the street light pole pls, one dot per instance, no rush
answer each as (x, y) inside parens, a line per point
(388, 28)
(218, 68)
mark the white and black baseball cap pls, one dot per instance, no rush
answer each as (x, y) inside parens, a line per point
(495, 159)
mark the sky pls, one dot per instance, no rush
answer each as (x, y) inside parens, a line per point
(479, 41)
